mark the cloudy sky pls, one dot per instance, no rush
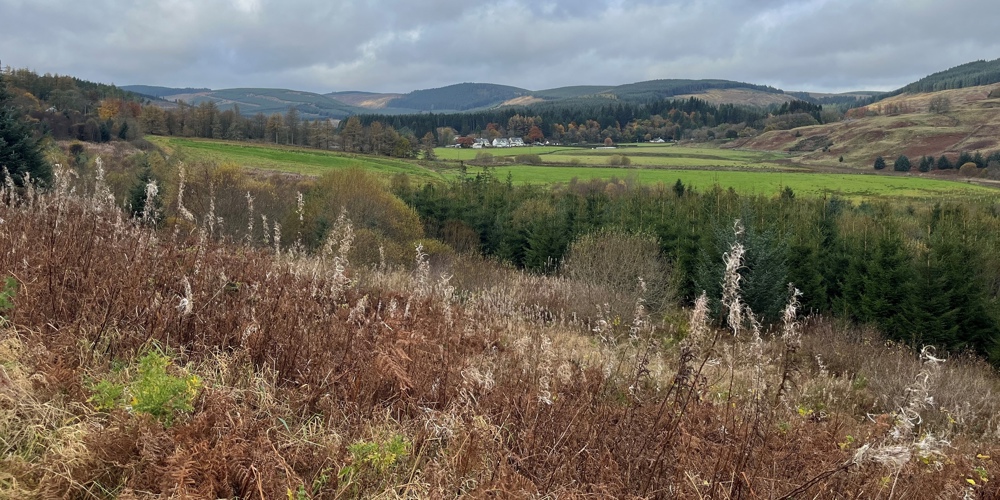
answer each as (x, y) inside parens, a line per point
(399, 46)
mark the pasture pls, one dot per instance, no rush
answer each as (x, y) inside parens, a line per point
(850, 186)
(639, 155)
(747, 172)
(296, 160)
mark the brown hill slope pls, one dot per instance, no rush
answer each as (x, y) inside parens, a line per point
(746, 97)
(901, 125)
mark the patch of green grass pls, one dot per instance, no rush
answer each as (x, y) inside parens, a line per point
(283, 158)
(649, 155)
(851, 186)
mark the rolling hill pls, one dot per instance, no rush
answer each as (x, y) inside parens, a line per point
(478, 96)
(258, 100)
(154, 91)
(903, 124)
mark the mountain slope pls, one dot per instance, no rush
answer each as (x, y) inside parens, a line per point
(971, 74)
(155, 91)
(268, 101)
(899, 125)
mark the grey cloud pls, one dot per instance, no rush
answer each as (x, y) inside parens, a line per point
(385, 45)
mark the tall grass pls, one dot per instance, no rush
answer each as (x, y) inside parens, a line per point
(323, 379)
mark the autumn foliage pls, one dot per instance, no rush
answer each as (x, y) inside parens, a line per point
(310, 376)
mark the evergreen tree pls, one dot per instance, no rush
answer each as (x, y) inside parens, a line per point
(679, 188)
(943, 163)
(926, 163)
(886, 288)
(138, 194)
(963, 158)
(902, 164)
(879, 163)
(20, 153)
(979, 160)
(764, 283)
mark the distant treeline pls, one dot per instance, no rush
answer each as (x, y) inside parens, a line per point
(922, 274)
(622, 122)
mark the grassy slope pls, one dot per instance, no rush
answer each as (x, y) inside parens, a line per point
(973, 124)
(302, 161)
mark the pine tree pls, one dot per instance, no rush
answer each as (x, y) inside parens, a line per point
(902, 164)
(943, 163)
(886, 288)
(20, 153)
(879, 163)
(926, 163)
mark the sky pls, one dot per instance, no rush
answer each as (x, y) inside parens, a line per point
(399, 46)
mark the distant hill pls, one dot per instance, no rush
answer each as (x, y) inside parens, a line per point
(477, 96)
(459, 97)
(154, 91)
(898, 125)
(971, 74)
(464, 97)
(370, 100)
(268, 101)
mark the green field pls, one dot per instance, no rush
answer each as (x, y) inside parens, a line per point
(851, 186)
(295, 160)
(691, 165)
(640, 155)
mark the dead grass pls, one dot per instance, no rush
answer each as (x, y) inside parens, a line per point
(306, 361)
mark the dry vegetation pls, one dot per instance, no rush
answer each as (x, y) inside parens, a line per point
(900, 125)
(312, 377)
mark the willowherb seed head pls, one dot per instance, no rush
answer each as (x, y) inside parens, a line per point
(791, 332)
(149, 207)
(731, 298)
(423, 272)
(181, 209)
(186, 305)
(300, 205)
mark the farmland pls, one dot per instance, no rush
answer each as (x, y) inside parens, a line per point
(852, 186)
(639, 155)
(293, 160)
(749, 172)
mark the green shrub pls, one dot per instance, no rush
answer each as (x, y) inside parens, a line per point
(7, 295)
(151, 390)
(372, 461)
(159, 393)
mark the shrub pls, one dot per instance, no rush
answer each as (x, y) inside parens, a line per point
(612, 261)
(969, 169)
(619, 161)
(152, 390)
(879, 163)
(529, 159)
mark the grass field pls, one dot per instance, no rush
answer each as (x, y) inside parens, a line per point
(644, 155)
(851, 186)
(691, 165)
(284, 159)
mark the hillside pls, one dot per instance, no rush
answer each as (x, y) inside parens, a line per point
(477, 96)
(369, 100)
(971, 74)
(154, 91)
(898, 125)
(268, 101)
